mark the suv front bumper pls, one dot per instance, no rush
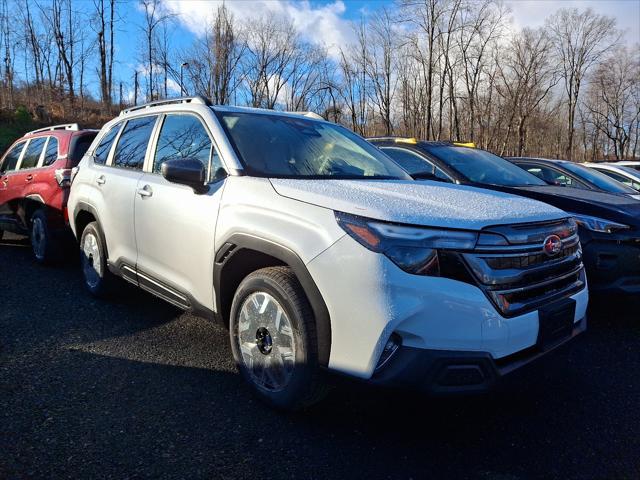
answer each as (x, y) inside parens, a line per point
(446, 372)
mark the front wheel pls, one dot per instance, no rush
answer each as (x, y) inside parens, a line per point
(93, 258)
(273, 339)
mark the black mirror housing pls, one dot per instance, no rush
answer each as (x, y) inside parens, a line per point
(187, 171)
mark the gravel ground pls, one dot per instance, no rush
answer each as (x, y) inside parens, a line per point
(134, 388)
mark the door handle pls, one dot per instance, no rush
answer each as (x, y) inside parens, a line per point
(145, 191)
(101, 180)
(29, 178)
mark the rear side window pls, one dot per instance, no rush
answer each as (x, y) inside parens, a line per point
(32, 155)
(12, 157)
(104, 147)
(79, 146)
(51, 153)
(182, 136)
(132, 144)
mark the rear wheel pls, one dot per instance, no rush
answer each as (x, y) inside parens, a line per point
(93, 258)
(45, 249)
(273, 339)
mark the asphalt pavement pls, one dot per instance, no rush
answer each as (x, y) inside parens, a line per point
(134, 388)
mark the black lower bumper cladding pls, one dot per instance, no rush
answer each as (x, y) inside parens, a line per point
(443, 372)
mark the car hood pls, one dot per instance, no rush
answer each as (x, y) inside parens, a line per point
(584, 201)
(418, 202)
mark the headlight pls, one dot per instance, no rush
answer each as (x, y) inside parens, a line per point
(596, 224)
(414, 249)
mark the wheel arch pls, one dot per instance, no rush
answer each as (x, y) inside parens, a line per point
(242, 254)
(85, 214)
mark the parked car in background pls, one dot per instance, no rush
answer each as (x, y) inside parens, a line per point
(317, 250)
(609, 223)
(35, 175)
(635, 164)
(623, 174)
(570, 174)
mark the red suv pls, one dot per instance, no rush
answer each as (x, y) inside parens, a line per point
(35, 175)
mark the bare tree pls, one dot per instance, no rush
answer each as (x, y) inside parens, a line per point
(103, 24)
(154, 16)
(613, 99)
(581, 39)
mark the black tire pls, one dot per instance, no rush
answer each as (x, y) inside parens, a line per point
(45, 247)
(304, 386)
(93, 260)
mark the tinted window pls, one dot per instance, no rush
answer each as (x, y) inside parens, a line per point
(628, 181)
(480, 166)
(104, 147)
(32, 155)
(413, 162)
(183, 136)
(598, 179)
(12, 157)
(51, 153)
(79, 146)
(294, 146)
(552, 176)
(132, 144)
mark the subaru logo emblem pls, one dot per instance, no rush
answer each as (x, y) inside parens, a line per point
(552, 245)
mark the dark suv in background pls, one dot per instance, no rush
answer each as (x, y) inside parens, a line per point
(35, 175)
(609, 223)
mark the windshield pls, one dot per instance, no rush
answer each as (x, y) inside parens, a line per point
(598, 179)
(480, 166)
(290, 147)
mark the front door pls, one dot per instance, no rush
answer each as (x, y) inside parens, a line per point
(175, 226)
(9, 188)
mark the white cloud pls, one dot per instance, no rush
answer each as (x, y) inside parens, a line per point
(324, 25)
(533, 13)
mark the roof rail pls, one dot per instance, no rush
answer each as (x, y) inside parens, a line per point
(308, 114)
(200, 100)
(66, 126)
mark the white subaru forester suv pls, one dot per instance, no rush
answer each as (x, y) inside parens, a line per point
(319, 253)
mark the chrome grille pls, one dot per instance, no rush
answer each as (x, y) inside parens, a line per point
(520, 276)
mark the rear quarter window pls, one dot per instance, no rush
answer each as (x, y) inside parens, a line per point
(51, 153)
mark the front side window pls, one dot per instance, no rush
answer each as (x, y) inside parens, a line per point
(11, 159)
(101, 154)
(51, 153)
(413, 162)
(182, 137)
(296, 147)
(33, 152)
(552, 176)
(132, 144)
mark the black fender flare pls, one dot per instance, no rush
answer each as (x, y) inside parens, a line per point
(233, 248)
(85, 207)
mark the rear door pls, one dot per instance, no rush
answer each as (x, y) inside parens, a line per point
(115, 187)
(174, 226)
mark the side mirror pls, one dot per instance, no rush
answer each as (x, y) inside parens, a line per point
(187, 171)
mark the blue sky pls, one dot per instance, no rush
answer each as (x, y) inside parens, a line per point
(328, 22)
